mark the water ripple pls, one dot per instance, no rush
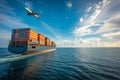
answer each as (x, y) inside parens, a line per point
(65, 64)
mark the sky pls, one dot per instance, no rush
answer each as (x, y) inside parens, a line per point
(70, 23)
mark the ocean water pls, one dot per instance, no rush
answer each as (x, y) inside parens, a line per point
(62, 64)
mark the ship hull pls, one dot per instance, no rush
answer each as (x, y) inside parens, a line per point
(30, 49)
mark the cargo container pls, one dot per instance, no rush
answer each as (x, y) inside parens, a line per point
(41, 39)
(24, 34)
(26, 40)
(47, 41)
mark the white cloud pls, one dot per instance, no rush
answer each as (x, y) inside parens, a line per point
(82, 31)
(48, 27)
(89, 9)
(91, 41)
(11, 22)
(81, 19)
(5, 34)
(69, 4)
(110, 25)
(112, 34)
(88, 42)
(5, 8)
(4, 38)
(106, 19)
(106, 25)
(7, 20)
(91, 21)
(28, 4)
(105, 3)
(79, 42)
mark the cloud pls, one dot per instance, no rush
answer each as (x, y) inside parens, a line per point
(106, 21)
(82, 31)
(111, 24)
(5, 37)
(5, 8)
(48, 27)
(28, 4)
(11, 22)
(69, 4)
(89, 9)
(6, 33)
(79, 42)
(112, 34)
(91, 41)
(90, 21)
(81, 19)
(88, 42)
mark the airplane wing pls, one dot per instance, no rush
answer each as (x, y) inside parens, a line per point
(28, 10)
(36, 16)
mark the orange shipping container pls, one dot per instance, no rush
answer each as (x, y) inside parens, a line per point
(50, 43)
(41, 37)
(33, 35)
(47, 41)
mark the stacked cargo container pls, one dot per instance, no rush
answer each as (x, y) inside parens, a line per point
(21, 37)
(26, 36)
(50, 43)
(46, 41)
(54, 44)
(33, 35)
(41, 39)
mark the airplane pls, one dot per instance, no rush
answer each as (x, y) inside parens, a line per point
(29, 12)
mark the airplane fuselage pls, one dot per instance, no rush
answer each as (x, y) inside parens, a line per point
(29, 12)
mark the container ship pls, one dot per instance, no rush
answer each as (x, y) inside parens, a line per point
(25, 40)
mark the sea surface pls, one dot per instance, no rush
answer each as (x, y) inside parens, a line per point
(62, 64)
